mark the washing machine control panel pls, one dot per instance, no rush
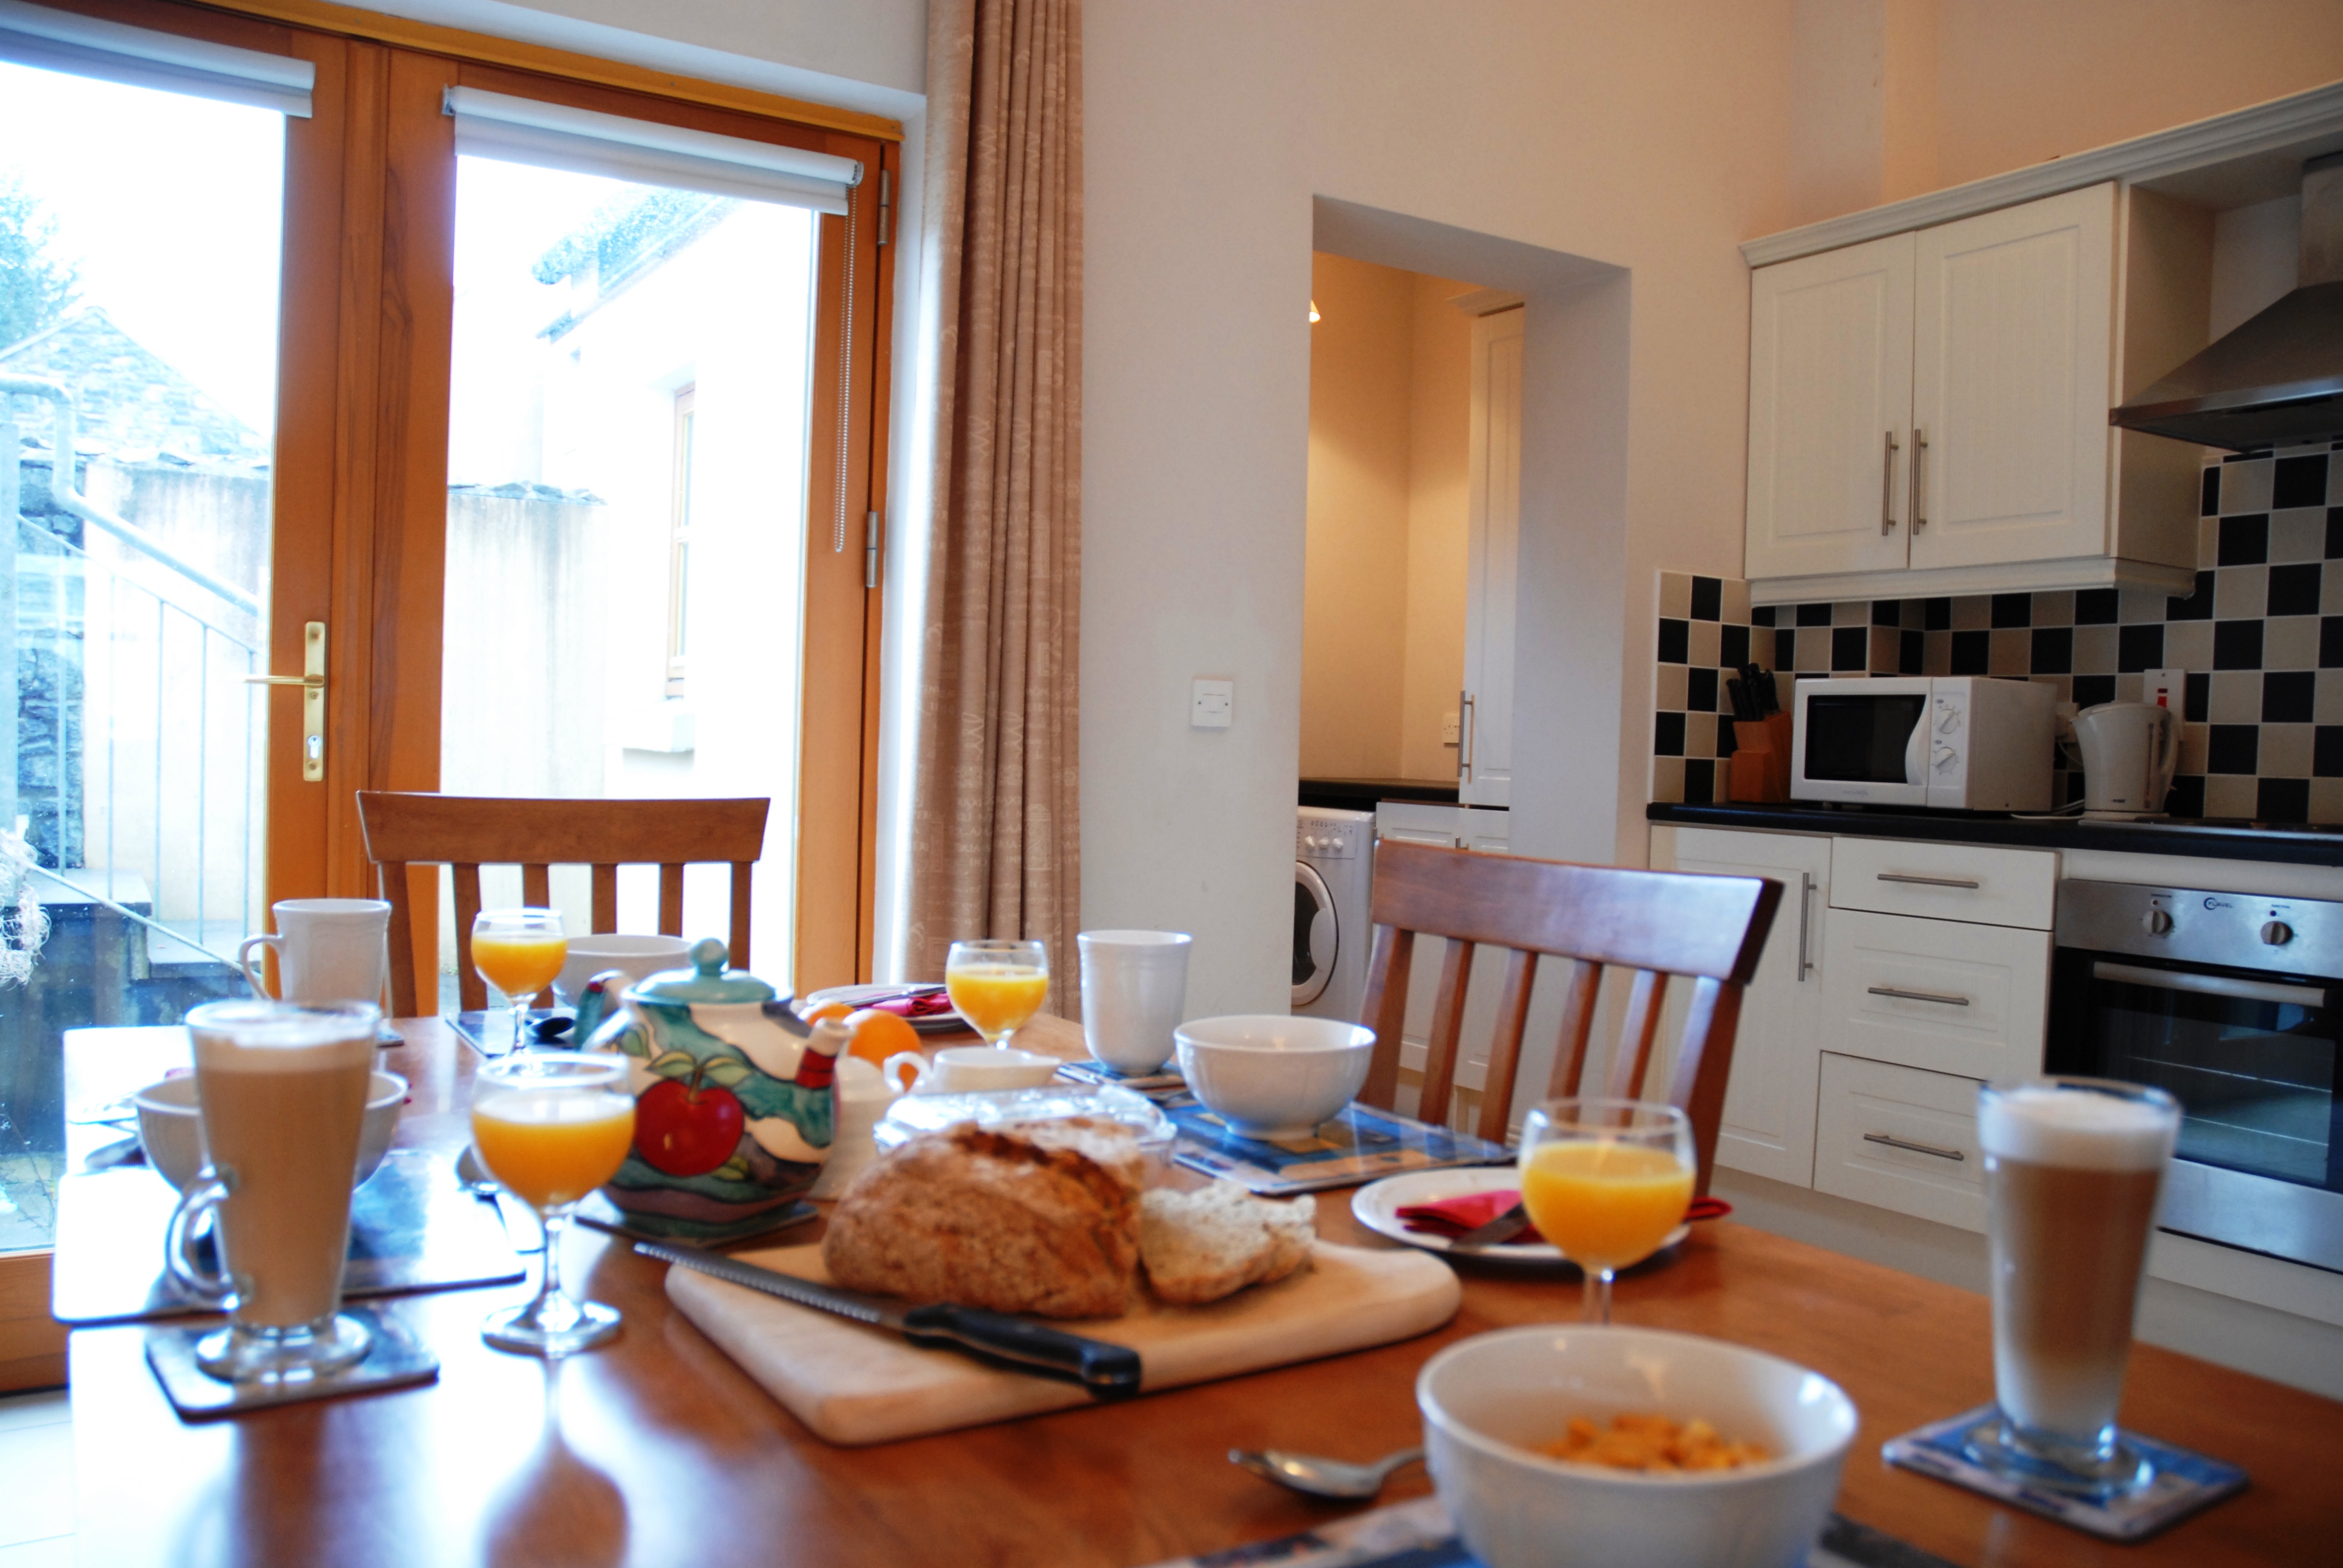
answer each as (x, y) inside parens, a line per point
(1329, 841)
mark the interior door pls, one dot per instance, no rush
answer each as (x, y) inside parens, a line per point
(2014, 313)
(1484, 775)
(1830, 399)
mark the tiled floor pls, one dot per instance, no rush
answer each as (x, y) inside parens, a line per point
(36, 1480)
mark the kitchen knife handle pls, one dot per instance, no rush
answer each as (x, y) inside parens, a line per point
(1107, 1371)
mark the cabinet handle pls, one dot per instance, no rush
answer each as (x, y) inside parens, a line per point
(1929, 881)
(1915, 1148)
(1933, 996)
(1806, 917)
(1887, 486)
(1471, 731)
(1919, 486)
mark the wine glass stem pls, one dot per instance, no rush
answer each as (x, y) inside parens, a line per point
(548, 1289)
(1596, 1307)
(521, 1020)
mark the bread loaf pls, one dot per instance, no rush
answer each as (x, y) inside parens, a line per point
(1201, 1246)
(1034, 1217)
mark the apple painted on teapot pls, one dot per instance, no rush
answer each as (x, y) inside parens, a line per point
(735, 1098)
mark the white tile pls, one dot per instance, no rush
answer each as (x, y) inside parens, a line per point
(1813, 648)
(2237, 697)
(2240, 593)
(1668, 779)
(1668, 687)
(2139, 605)
(2246, 486)
(1972, 612)
(2127, 688)
(2326, 706)
(56, 1552)
(2290, 642)
(2327, 794)
(36, 1482)
(2285, 752)
(2055, 608)
(1851, 612)
(1700, 735)
(2231, 794)
(1936, 653)
(46, 1408)
(2011, 652)
(2331, 592)
(1676, 595)
(2299, 535)
(2095, 648)
(1736, 601)
(2188, 644)
(2194, 738)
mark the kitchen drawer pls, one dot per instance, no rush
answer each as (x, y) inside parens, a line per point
(1943, 995)
(1901, 1138)
(1945, 881)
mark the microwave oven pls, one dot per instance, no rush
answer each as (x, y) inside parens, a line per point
(1950, 742)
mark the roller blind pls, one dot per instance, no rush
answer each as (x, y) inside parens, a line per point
(523, 130)
(85, 46)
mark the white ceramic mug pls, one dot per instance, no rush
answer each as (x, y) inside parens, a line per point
(864, 1094)
(171, 1126)
(327, 949)
(969, 1068)
(637, 957)
(1134, 989)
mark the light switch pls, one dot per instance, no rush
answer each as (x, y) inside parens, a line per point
(1211, 704)
(2165, 688)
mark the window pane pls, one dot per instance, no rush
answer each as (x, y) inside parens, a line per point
(140, 241)
(625, 484)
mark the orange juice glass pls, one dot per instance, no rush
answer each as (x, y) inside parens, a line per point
(1605, 1180)
(552, 1126)
(996, 985)
(519, 951)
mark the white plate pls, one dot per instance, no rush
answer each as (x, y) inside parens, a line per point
(1377, 1204)
(862, 995)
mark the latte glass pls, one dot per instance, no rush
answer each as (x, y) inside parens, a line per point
(2073, 1168)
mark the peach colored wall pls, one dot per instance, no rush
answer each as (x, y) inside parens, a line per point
(1439, 426)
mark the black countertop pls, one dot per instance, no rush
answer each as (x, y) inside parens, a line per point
(1361, 794)
(2292, 845)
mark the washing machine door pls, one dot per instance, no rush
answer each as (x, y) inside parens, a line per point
(1317, 938)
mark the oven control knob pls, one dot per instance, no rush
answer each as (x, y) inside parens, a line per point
(2159, 922)
(2278, 933)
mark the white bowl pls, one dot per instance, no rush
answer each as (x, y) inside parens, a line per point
(1271, 1076)
(1486, 1399)
(171, 1126)
(637, 958)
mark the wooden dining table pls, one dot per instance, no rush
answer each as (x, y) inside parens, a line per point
(659, 1451)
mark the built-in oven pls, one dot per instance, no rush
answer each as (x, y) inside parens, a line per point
(2234, 1004)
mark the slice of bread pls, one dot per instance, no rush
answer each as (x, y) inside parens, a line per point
(1201, 1246)
(1034, 1217)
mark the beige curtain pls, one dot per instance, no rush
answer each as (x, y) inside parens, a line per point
(995, 851)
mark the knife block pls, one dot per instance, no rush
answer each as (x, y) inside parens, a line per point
(1761, 760)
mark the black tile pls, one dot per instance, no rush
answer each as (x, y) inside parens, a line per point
(1912, 655)
(2140, 647)
(1707, 598)
(2300, 482)
(2286, 696)
(1887, 612)
(2237, 645)
(1972, 652)
(2013, 610)
(1733, 646)
(2330, 642)
(2327, 751)
(2294, 590)
(1675, 640)
(2283, 799)
(1667, 735)
(2054, 650)
(1700, 689)
(2196, 698)
(1726, 743)
(2097, 607)
(2187, 797)
(1785, 650)
(2232, 748)
(1814, 615)
(1763, 615)
(1851, 650)
(2090, 690)
(2208, 503)
(2245, 541)
(2198, 605)
(1700, 780)
(2334, 533)
(1936, 614)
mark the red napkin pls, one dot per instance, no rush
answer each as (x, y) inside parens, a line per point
(1452, 1217)
(918, 1004)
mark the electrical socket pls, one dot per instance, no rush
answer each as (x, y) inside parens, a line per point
(2165, 689)
(1449, 729)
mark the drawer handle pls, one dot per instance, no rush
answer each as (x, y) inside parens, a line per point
(1929, 881)
(1935, 996)
(1915, 1148)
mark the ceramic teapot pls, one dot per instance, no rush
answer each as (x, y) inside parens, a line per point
(735, 1098)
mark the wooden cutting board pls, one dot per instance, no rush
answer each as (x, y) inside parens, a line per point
(852, 1384)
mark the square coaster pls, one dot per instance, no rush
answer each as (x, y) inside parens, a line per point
(599, 1212)
(396, 1360)
(2184, 1481)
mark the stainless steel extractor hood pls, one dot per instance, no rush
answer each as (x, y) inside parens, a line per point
(2277, 379)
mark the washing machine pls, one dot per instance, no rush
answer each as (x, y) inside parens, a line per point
(1333, 931)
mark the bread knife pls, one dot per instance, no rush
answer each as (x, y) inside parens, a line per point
(1107, 1371)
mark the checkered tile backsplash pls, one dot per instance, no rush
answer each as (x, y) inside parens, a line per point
(2261, 639)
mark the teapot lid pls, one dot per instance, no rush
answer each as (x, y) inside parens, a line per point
(706, 982)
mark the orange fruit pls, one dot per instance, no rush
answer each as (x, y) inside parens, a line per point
(879, 1035)
(826, 1009)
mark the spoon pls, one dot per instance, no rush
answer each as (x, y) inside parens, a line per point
(1321, 1477)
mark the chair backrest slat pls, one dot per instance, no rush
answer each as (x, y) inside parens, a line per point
(606, 897)
(471, 991)
(670, 915)
(1656, 924)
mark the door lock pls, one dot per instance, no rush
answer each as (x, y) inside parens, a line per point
(312, 682)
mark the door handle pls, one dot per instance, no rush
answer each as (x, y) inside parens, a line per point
(312, 682)
(1919, 486)
(1888, 485)
(1935, 996)
(1915, 1148)
(1805, 913)
(1471, 731)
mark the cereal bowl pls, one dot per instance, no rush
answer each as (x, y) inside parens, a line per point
(1271, 1076)
(1489, 1400)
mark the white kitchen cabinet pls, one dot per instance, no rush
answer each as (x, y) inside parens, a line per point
(1901, 1138)
(1768, 1127)
(1945, 995)
(1485, 753)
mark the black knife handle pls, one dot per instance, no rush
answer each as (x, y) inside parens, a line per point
(1108, 1370)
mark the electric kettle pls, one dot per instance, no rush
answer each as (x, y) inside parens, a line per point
(2129, 750)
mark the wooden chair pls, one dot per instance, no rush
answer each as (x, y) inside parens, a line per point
(467, 832)
(1660, 924)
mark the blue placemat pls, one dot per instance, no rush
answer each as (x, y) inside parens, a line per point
(2184, 1481)
(1358, 1145)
